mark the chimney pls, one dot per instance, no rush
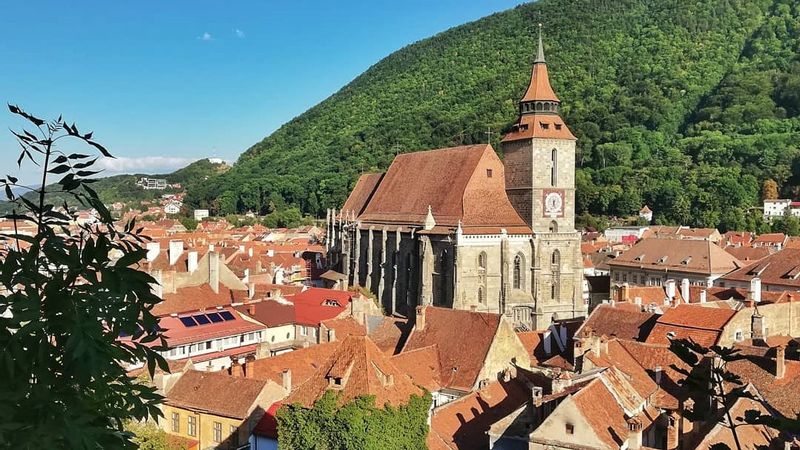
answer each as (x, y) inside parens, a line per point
(157, 288)
(331, 335)
(634, 433)
(271, 252)
(213, 271)
(236, 369)
(241, 249)
(153, 249)
(249, 367)
(685, 289)
(286, 380)
(251, 309)
(669, 287)
(703, 296)
(658, 373)
(638, 301)
(175, 251)
(251, 290)
(250, 252)
(420, 319)
(780, 362)
(755, 289)
(246, 277)
(191, 261)
(211, 247)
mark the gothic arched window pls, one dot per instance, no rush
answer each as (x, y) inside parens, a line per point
(482, 261)
(518, 274)
(481, 295)
(555, 258)
(553, 167)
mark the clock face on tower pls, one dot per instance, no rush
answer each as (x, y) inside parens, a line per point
(553, 201)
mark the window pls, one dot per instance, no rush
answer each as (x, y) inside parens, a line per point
(545, 126)
(558, 126)
(176, 422)
(738, 336)
(482, 261)
(517, 279)
(553, 167)
(555, 258)
(208, 345)
(553, 292)
(217, 432)
(480, 295)
(192, 426)
(554, 227)
(303, 331)
(273, 338)
(288, 335)
(488, 173)
(570, 429)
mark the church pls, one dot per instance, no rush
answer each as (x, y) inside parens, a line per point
(460, 228)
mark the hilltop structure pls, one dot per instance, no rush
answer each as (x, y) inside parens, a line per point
(459, 228)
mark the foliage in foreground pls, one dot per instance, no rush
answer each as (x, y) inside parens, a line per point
(66, 293)
(357, 425)
(147, 436)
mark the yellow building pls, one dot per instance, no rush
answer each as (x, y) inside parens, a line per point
(217, 410)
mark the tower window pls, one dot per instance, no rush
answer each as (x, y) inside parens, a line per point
(545, 126)
(555, 258)
(482, 261)
(480, 295)
(554, 227)
(488, 173)
(553, 167)
(517, 279)
(558, 126)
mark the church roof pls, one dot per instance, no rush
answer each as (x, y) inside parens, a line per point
(465, 183)
(545, 126)
(362, 192)
(540, 89)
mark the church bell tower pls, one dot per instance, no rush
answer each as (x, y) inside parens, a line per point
(539, 159)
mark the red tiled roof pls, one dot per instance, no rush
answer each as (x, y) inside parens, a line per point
(539, 88)
(781, 394)
(362, 193)
(681, 255)
(461, 360)
(462, 424)
(178, 334)
(703, 324)
(773, 270)
(303, 363)
(390, 334)
(314, 305)
(202, 391)
(361, 369)
(623, 323)
(196, 298)
(344, 326)
(269, 312)
(545, 126)
(417, 180)
(422, 365)
(770, 238)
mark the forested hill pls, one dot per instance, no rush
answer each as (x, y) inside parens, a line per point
(123, 188)
(684, 105)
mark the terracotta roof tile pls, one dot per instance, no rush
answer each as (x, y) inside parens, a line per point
(196, 298)
(362, 193)
(775, 269)
(620, 322)
(681, 255)
(390, 333)
(269, 312)
(360, 369)
(314, 305)
(461, 360)
(303, 363)
(422, 365)
(201, 391)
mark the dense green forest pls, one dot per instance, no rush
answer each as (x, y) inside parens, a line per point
(123, 188)
(687, 106)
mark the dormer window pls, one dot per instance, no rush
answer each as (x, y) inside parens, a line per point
(662, 260)
(558, 126)
(687, 260)
(335, 382)
(545, 126)
(331, 302)
(639, 258)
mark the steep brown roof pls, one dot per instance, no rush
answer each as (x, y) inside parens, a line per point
(269, 312)
(345, 326)
(454, 182)
(362, 192)
(303, 363)
(749, 254)
(361, 369)
(462, 424)
(545, 126)
(624, 323)
(460, 359)
(422, 365)
(775, 269)
(539, 88)
(781, 394)
(216, 393)
(682, 255)
(390, 334)
(701, 323)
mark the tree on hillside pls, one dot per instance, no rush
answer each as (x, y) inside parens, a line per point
(67, 292)
(769, 190)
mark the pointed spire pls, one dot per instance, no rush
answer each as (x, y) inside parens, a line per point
(540, 52)
(430, 222)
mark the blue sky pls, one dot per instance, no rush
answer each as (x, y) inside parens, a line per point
(164, 82)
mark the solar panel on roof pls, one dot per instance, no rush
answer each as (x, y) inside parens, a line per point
(188, 322)
(226, 315)
(201, 319)
(214, 317)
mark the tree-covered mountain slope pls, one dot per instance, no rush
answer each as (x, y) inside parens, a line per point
(686, 106)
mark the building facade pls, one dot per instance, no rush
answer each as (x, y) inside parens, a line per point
(459, 228)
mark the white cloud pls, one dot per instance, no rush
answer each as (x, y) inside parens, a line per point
(239, 33)
(205, 36)
(144, 164)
